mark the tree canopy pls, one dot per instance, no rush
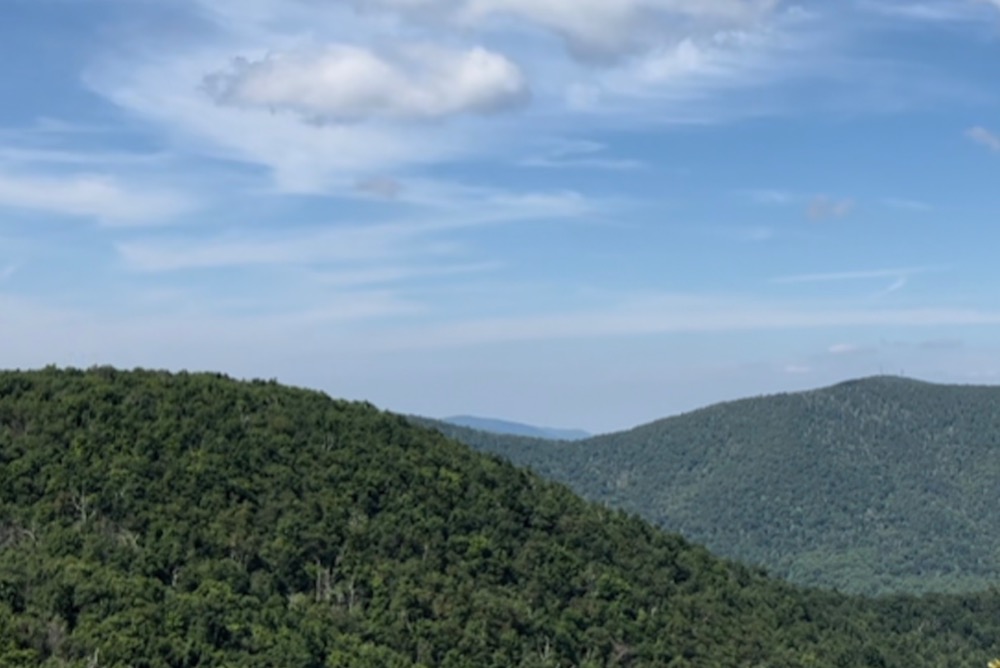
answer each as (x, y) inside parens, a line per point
(177, 520)
(872, 486)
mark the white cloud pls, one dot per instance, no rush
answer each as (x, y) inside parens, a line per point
(981, 135)
(349, 83)
(673, 314)
(383, 275)
(844, 349)
(304, 158)
(697, 76)
(579, 154)
(356, 244)
(592, 29)
(932, 11)
(346, 244)
(98, 196)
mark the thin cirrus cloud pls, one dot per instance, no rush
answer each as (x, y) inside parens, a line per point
(930, 11)
(984, 137)
(673, 314)
(833, 277)
(171, 96)
(822, 207)
(95, 196)
(355, 244)
(593, 30)
(345, 83)
(344, 244)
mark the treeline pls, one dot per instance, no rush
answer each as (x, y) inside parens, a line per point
(158, 520)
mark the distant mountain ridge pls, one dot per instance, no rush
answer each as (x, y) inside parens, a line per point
(876, 485)
(497, 426)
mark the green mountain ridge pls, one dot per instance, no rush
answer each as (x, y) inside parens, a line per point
(176, 520)
(871, 486)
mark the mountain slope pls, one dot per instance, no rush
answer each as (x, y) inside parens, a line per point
(149, 519)
(883, 484)
(515, 428)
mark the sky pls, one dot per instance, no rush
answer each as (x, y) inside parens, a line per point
(576, 213)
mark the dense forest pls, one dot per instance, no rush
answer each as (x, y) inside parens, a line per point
(871, 486)
(178, 520)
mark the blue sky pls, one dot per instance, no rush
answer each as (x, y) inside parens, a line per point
(587, 213)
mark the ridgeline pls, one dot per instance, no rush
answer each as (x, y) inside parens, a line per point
(157, 520)
(871, 486)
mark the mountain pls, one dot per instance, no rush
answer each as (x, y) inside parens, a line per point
(872, 486)
(495, 426)
(177, 520)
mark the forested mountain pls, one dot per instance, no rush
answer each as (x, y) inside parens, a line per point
(877, 485)
(515, 428)
(158, 520)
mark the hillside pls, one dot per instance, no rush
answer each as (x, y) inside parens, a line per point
(158, 520)
(877, 485)
(496, 426)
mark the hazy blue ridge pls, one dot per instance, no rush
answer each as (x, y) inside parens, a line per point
(496, 426)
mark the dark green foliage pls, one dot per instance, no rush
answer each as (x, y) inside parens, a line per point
(156, 520)
(873, 486)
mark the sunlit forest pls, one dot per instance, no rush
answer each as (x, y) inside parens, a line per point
(180, 520)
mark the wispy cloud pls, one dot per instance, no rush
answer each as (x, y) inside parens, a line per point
(838, 276)
(797, 369)
(985, 137)
(579, 154)
(387, 275)
(101, 197)
(822, 207)
(844, 349)
(596, 31)
(351, 244)
(678, 314)
(929, 11)
(897, 285)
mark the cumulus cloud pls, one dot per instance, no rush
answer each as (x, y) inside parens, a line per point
(349, 83)
(981, 135)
